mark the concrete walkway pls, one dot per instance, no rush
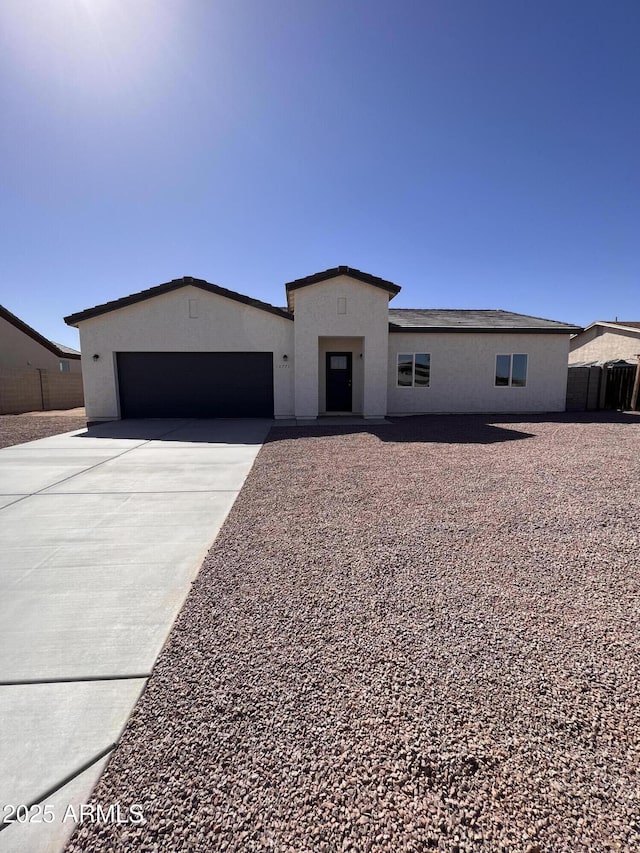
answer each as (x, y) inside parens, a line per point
(101, 533)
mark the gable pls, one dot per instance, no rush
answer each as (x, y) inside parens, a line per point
(370, 295)
(186, 319)
(23, 330)
(169, 287)
(337, 272)
(600, 327)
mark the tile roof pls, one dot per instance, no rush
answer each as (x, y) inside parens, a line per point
(66, 350)
(400, 319)
(461, 320)
(334, 272)
(167, 287)
(632, 324)
(56, 349)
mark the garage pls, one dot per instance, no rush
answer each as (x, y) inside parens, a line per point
(195, 384)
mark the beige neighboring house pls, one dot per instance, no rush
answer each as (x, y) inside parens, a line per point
(35, 373)
(188, 348)
(606, 340)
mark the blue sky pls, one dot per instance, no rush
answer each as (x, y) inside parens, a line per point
(481, 154)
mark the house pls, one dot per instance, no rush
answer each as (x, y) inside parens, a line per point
(22, 346)
(605, 341)
(35, 373)
(189, 348)
(604, 363)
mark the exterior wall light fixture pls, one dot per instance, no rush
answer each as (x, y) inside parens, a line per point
(95, 356)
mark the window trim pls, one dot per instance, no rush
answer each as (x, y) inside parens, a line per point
(510, 356)
(413, 369)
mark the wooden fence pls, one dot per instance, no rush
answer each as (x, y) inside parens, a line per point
(601, 386)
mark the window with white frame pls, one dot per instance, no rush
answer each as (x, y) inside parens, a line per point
(511, 370)
(414, 370)
(64, 366)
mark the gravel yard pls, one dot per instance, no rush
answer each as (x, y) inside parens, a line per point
(416, 637)
(16, 429)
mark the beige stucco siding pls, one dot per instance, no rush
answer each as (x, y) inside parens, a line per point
(17, 349)
(163, 324)
(317, 316)
(604, 344)
(340, 314)
(463, 373)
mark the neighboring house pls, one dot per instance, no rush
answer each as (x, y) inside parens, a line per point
(190, 348)
(35, 373)
(22, 346)
(606, 340)
(604, 360)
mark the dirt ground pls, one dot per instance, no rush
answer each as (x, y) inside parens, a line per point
(413, 637)
(16, 429)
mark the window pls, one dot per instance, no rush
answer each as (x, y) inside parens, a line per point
(414, 370)
(64, 366)
(511, 370)
(338, 362)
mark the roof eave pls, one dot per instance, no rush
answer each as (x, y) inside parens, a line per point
(610, 325)
(35, 336)
(529, 330)
(351, 272)
(169, 287)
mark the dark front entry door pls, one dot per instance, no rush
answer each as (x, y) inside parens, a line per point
(339, 375)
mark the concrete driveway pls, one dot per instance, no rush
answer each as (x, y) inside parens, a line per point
(101, 533)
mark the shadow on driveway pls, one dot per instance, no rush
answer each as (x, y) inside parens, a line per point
(444, 429)
(192, 431)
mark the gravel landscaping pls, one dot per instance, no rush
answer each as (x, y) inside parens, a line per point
(16, 429)
(414, 637)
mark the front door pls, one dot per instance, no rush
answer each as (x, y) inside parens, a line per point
(339, 375)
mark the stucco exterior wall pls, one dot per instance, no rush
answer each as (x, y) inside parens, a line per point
(75, 364)
(163, 324)
(604, 344)
(19, 350)
(463, 373)
(366, 317)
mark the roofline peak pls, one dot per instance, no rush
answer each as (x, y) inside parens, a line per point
(335, 272)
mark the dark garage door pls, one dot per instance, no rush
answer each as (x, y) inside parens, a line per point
(196, 384)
